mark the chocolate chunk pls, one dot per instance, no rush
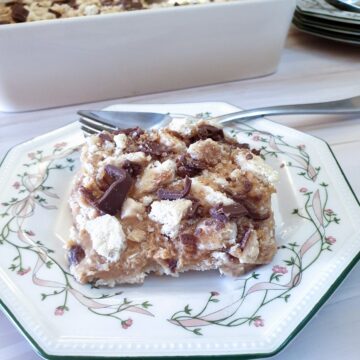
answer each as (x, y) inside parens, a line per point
(189, 167)
(218, 214)
(132, 168)
(240, 196)
(172, 263)
(190, 242)
(249, 156)
(256, 152)
(188, 239)
(195, 209)
(259, 217)
(245, 146)
(210, 132)
(111, 201)
(241, 145)
(19, 13)
(165, 194)
(243, 238)
(135, 132)
(153, 148)
(211, 222)
(10, 3)
(71, 3)
(227, 212)
(75, 254)
(58, 15)
(114, 172)
(234, 144)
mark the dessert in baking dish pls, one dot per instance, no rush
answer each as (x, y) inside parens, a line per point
(33, 10)
(185, 197)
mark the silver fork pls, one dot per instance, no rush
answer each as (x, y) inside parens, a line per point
(96, 121)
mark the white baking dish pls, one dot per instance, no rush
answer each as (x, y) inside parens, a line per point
(66, 61)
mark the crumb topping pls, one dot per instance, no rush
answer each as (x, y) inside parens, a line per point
(19, 11)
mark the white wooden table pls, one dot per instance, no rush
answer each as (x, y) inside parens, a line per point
(311, 70)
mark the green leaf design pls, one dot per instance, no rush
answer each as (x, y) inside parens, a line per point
(289, 262)
(187, 310)
(294, 244)
(146, 304)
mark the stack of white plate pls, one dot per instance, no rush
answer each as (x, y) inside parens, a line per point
(320, 18)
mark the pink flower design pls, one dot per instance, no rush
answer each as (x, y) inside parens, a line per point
(16, 185)
(277, 269)
(23, 272)
(259, 322)
(126, 323)
(29, 232)
(31, 155)
(214, 293)
(330, 240)
(256, 138)
(59, 311)
(328, 211)
(60, 145)
(303, 190)
(301, 147)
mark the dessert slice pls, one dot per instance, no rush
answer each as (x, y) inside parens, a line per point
(186, 197)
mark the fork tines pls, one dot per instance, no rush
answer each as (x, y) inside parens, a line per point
(91, 126)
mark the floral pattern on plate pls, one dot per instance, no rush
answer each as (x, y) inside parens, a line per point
(32, 192)
(277, 286)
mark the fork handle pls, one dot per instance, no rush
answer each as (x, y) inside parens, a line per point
(345, 106)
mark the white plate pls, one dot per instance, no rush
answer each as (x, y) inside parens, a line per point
(323, 9)
(343, 36)
(198, 313)
(338, 28)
